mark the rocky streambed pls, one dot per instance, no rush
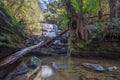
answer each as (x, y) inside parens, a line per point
(66, 68)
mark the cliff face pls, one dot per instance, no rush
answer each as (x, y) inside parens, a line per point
(11, 30)
(104, 49)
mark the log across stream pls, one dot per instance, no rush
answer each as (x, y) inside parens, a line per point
(9, 61)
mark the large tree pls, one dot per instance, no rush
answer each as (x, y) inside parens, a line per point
(114, 8)
(118, 8)
(77, 11)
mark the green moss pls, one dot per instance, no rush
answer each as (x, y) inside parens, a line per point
(71, 39)
(80, 45)
(14, 45)
(36, 29)
(14, 31)
(74, 44)
(83, 44)
(7, 37)
(75, 52)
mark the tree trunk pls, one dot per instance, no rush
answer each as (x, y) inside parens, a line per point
(100, 14)
(112, 4)
(114, 8)
(118, 9)
(82, 30)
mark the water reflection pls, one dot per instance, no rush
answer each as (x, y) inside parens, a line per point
(73, 69)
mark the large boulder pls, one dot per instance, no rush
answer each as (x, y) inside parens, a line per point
(33, 62)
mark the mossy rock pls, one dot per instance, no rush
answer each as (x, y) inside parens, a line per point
(101, 49)
(106, 49)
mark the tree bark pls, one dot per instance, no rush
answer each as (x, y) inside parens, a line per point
(14, 57)
(118, 9)
(100, 14)
(112, 4)
(81, 29)
(114, 8)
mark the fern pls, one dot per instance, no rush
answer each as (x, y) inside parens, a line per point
(63, 20)
(85, 6)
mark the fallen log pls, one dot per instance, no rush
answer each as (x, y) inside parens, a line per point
(14, 57)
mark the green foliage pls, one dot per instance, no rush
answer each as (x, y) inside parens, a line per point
(70, 41)
(7, 37)
(63, 20)
(85, 6)
(37, 29)
(10, 40)
(14, 45)
(57, 14)
(11, 29)
(77, 4)
(105, 6)
(90, 6)
(26, 10)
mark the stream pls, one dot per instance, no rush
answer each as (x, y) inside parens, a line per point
(72, 69)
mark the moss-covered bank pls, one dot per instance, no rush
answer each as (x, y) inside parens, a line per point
(12, 31)
(93, 48)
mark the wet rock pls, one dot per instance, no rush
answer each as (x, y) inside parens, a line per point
(21, 69)
(51, 29)
(33, 62)
(35, 42)
(32, 40)
(64, 48)
(50, 34)
(95, 67)
(57, 42)
(65, 37)
(10, 76)
(58, 65)
(112, 68)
